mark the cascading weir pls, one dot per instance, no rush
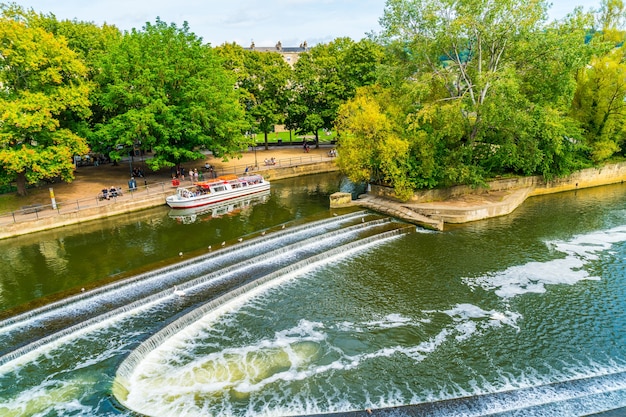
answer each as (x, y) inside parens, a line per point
(265, 358)
(130, 296)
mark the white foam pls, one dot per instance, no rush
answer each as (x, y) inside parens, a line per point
(533, 277)
(390, 321)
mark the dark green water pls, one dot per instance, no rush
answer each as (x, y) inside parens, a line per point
(511, 305)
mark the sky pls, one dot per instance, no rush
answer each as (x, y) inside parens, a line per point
(264, 22)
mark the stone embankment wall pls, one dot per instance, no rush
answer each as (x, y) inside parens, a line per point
(81, 216)
(464, 204)
(591, 177)
(299, 170)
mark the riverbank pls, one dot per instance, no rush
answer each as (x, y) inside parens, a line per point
(77, 202)
(431, 208)
(462, 204)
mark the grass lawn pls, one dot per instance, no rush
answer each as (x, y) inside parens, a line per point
(287, 137)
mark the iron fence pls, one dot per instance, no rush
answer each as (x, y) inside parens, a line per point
(41, 211)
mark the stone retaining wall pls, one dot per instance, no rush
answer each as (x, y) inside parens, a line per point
(81, 216)
(591, 177)
(279, 173)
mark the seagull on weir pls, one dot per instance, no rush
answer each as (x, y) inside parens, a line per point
(240, 239)
(224, 243)
(178, 292)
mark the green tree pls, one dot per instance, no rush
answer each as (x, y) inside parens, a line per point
(268, 77)
(89, 41)
(600, 104)
(327, 76)
(486, 88)
(43, 80)
(162, 89)
(601, 86)
(374, 146)
(313, 92)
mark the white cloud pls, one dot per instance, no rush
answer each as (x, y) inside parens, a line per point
(241, 21)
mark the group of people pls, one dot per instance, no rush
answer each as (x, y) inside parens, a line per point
(108, 193)
(137, 172)
(194, 175)
(332, 152)
(270, 161)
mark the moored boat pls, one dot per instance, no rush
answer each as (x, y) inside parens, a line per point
(217, 190)
(212, 211)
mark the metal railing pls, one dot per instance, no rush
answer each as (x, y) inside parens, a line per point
(262, 165)
(41, 211)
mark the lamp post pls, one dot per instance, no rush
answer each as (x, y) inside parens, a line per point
(256, 165)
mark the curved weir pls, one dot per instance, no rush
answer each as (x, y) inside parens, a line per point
(123, 293)
(603, 391)
(128, 366)
(191, 285)
(260, 244)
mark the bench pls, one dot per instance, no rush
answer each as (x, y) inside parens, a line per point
(110, 194)
(33, 208)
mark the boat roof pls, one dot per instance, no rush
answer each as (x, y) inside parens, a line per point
(225, 178)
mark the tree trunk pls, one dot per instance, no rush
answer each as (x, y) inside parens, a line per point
(266, 144)
(317, 139)
(21, 184)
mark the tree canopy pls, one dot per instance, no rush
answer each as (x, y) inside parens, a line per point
(483, 89)
(44, 82)
(327, 76)
(262, 82)
(449, 92)
(162, 89)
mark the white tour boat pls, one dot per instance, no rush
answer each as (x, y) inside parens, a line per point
(217, 190)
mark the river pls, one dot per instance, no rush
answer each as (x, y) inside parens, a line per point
(291, 308)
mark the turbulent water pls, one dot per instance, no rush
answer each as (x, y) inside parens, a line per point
(519, 315)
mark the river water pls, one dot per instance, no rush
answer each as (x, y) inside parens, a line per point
(338, 310)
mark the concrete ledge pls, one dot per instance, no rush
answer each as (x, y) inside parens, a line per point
(478, 211)
(397, 210)
(340, 200)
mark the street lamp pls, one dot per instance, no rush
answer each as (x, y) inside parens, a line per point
(255, 163)
(130, 162)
